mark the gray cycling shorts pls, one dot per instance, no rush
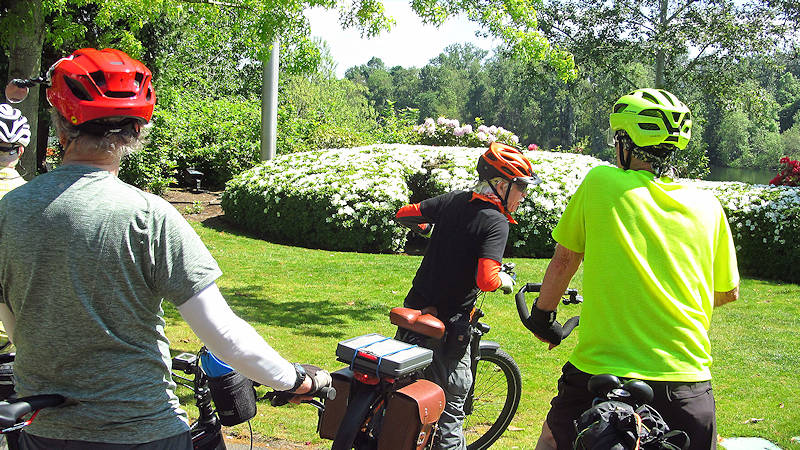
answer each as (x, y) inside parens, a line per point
(27, 441)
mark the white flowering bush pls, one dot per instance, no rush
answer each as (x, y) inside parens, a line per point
(765, 222)
(345, 199)
(448, 132)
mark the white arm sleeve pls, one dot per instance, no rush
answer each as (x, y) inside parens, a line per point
(9, 321)
(234, 341)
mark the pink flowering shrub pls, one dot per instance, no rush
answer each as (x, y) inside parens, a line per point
(449, 132)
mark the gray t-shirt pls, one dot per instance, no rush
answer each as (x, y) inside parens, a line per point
(85, 261)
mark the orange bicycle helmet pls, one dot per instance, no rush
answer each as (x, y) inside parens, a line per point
(506, 162)
(95, 84)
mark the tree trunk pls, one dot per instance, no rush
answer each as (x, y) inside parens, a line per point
(660, 54)
(567, 123)
(25, 61)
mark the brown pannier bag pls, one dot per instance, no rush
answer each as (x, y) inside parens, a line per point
(334, 409)
(411, 416)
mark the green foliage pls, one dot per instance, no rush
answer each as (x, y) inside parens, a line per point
(151, 169)
(322, 113)
(397, 126)
(747, 144)
(195, 208)
(217, 137)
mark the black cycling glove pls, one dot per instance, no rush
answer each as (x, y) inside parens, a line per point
(544, 325)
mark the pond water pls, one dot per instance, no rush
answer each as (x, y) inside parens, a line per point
(752, 176)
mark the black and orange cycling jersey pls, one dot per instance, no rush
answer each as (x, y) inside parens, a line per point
(464, 253)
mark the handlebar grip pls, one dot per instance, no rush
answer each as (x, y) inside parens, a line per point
(11, 412)
(326, 393)
(522, 306)
(569, 325)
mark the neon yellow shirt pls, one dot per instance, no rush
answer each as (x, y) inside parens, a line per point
(9, 180)
(654, 253)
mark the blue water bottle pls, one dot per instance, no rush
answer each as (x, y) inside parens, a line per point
(213, 366)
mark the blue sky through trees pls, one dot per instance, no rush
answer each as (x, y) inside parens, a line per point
(409, 43)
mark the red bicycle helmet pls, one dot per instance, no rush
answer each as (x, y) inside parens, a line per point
(507, 162)
(96, 84)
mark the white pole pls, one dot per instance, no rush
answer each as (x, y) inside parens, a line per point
(269, 103)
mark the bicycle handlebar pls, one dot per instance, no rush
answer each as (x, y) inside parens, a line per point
(280, 398)
(11, 412)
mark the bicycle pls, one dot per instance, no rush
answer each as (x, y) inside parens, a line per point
(206, 431)
(491, 403)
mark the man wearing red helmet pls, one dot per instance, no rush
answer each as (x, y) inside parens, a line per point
(463, 257)
(86, 262)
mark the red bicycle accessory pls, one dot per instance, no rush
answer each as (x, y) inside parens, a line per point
(95, 84)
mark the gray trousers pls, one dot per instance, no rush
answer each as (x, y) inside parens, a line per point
(27, 441)
(455, 378)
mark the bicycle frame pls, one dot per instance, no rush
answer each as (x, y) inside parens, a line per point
(206, 430)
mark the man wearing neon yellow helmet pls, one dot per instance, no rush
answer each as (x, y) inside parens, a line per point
(658, 257)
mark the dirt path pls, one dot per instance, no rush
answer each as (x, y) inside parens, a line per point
(195, 206)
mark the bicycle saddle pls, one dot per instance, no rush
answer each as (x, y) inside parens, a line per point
(414, 320)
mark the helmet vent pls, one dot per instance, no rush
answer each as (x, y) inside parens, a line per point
(619, 107)
(649, 126)
(98, 77)
(649, 97)
(77, 89)
(671, 138)
(676, 116)
(138, 79)
(667, 95)
(650, 113)
(120, 94)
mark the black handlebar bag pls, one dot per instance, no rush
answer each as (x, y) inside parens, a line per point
(234, 397)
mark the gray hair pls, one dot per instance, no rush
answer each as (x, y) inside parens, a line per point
(483, 187)
(121, 144)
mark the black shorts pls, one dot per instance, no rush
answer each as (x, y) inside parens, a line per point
(688, 407)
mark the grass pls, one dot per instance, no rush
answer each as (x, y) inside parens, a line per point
(304, 301)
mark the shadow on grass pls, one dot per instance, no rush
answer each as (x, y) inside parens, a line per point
(311, 317)
(221, 224)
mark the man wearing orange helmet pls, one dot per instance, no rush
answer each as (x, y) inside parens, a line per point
(463, 257)
(86, 263)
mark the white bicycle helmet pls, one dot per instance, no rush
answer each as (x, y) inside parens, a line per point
(14, 127)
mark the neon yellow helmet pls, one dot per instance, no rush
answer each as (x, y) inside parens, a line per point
(652, 117)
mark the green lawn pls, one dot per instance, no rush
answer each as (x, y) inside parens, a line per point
(304, 301)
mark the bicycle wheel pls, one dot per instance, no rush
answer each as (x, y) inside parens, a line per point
(498, 387)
